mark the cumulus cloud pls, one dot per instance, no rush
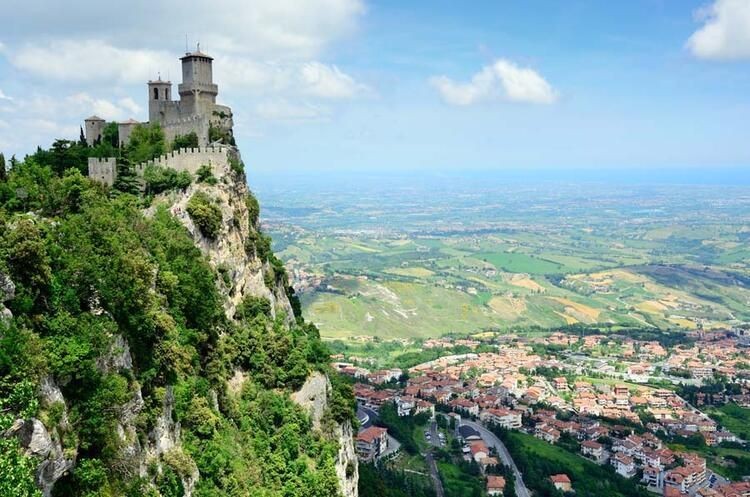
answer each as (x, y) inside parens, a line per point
(725, 34)
(324, 81)
(299, 28)
(310, 78)
(501, 79)
(90, 60)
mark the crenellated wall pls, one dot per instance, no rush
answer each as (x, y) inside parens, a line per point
(190, 159)
(184, 159)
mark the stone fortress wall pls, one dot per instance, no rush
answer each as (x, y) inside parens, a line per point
(184, 159)
(103, 170)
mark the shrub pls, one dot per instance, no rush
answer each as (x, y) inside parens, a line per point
(189, 140)
(160, 179)
(205, 214)
(205, 175)
(236, 165)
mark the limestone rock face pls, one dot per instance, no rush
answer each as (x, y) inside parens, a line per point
(313, 396)
(242, 269)
(37, 441)
(7, 292)
(347, 468)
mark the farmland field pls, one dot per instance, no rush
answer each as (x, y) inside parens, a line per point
(393, 258)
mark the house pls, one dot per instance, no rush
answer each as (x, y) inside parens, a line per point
(561, 482)
(593, 450)
(546, 433)
(404, 405)
(465, 405)
(623, 464)
(505, 418)
(479, 450)
(653, 477)
(495, 485)
(372, 442)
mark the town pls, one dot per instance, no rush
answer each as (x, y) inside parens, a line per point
(612, 399)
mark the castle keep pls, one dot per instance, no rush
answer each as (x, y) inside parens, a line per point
(195, 111)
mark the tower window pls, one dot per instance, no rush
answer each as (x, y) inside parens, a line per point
(156, 94)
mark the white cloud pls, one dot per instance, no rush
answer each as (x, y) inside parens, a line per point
(3, 96)
(90, 60)
(311, 78)
(285, 28)
(283, 110)
(324, 81)
(725, 33)
(502, 78)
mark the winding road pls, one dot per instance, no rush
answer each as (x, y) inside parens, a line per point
(492, 441)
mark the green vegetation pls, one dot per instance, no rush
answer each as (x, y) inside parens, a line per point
(537, 460)
(146, 142)
(733, 418)
(459, 480)
(206, 175)
(160, 179)
(90, 267)
(403, 428)
(205, 214)
(427, 264)
(377, 481)
(189, 140)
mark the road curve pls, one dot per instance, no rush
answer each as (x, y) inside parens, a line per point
(492, 441)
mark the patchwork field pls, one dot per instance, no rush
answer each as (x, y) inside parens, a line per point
(415, 263)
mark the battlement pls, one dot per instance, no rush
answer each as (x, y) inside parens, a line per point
(190, 159)
(185, 159)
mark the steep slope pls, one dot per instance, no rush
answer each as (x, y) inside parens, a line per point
(154, 350)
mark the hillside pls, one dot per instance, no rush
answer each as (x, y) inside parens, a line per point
(151, 345)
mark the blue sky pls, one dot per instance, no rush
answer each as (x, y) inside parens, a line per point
(393, 85)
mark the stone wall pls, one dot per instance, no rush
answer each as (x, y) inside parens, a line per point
(183, 126)
(103, 170)
(190, 159)
(184, 159)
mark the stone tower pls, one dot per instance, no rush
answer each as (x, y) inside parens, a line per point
(197, 90)
(159, 92)
(94, 127)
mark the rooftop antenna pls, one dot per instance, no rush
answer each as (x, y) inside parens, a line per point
(186, 43)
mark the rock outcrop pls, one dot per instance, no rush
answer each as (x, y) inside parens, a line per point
(230, 252)
(313, 396)
(7, 291)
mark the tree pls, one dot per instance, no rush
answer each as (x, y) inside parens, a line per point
(189, 140)
(146, 142)
(126, 181)
(3, 172)
(111, 135)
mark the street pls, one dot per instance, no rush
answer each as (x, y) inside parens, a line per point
(492, 441)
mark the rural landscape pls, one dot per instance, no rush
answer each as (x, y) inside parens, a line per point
(389, 260)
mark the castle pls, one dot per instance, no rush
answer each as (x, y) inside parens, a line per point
(195, 111)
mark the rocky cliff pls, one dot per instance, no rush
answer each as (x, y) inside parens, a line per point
(148, 439)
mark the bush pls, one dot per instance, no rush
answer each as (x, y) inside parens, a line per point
(205, 214)
(205, 175)
(189, 140)
(160, 179)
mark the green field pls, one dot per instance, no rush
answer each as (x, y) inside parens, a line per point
(379, 263)
(733, 418)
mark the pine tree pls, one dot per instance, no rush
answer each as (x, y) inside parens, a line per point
(82, 138)
(3, 174)
(126, 180)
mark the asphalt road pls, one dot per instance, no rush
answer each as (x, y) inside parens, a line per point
(435, 442)
(492, 441)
